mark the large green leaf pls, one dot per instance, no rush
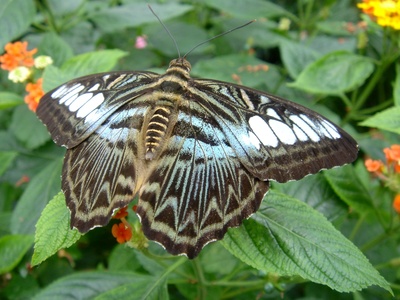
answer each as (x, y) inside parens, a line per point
(81, 65)
(12, 249)
(317, 193)
(105, 285)
(296, 56)
(55, 47)
(53, 230)
(335, 73)
(27, 128)
(350, 189)
(396, 86)
(249, 9)
(92, 62)
(131, 15)
(389, 120)
(6, 158)
(249, 70)
(15, 18)
(8, 100)
(289, 238)
(40, 190)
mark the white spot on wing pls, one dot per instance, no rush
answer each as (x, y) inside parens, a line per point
(331, 129)
(264, 99)
(283, 131)
(272, 113)
(57, 93)
(94, 88)
(300, 133)
(305, 127)
(262, 130)
(78, 102)
(90, 105)
(74, 90)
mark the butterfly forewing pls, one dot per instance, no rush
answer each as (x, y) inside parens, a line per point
(73, 111)
(276, 139)
(199, 154)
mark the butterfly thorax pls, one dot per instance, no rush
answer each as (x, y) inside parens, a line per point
(168, 96)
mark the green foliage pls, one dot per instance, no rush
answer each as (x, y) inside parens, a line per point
(316, 238)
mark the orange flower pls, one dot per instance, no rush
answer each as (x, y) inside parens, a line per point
(35, 94)
(121, 213)
(393, 153)
(121, 232)
(373, 165)
(396, 203)
(17, 55)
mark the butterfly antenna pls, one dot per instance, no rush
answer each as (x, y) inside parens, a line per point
(217, 36)
(166, 29)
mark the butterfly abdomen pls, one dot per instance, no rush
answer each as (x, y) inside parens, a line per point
(156, 130)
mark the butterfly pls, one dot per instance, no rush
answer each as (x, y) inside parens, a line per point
(199, 154)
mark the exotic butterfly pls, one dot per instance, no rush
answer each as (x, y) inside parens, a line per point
(198, 153)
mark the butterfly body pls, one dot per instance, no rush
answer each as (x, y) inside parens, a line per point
(198, 153)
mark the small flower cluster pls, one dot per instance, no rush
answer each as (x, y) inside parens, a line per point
(124, 232)
(20, 63)
(384, 12)
(388, 172)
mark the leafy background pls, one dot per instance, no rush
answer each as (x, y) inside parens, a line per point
(316, 238)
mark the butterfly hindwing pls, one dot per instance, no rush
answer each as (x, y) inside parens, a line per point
(198, 188)
(100, 174)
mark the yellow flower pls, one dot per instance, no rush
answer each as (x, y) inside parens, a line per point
(385, 12)
(42, 61)
(19, 74)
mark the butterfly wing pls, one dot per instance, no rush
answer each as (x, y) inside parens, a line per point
(101, 173)
(73, 111)
(198, 188)
(275, 139)
(98, 118)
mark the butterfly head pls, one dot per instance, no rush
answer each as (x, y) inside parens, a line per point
(180, 63)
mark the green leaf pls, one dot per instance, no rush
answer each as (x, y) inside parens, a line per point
(296, 56)
(132, 15)
(90, 285)
(15, 18)
(345, 182)
(53, 230)
(53, 77)
(223, 67)
(389, 120)
(12, 250)
(123, 258)
(396, 86)
(335, 73)
(249, 9)
(92, 62)
(6, 158)
(55, 47)
(317, 193)
(8, 100)
(289, 238)
(80, 65)
(27, 128)
(40, 190)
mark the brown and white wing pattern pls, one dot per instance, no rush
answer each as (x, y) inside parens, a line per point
(199, 154)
